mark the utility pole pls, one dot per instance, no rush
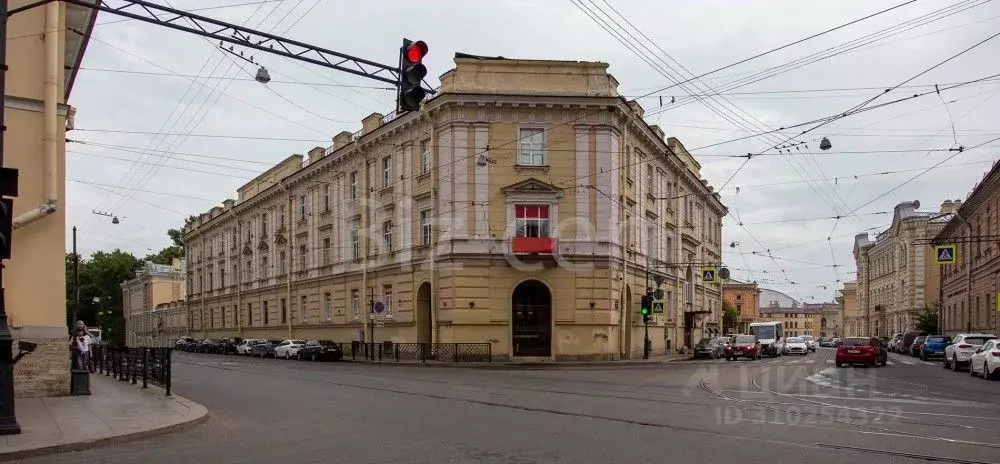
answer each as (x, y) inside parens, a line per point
(76, 282)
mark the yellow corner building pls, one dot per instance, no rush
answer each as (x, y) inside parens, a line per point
(527, 205)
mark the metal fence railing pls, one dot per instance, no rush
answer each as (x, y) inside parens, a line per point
(149, 365)
(440, 352)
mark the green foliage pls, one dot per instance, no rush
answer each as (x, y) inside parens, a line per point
(927, 321)
(730, 317)
(100, 301)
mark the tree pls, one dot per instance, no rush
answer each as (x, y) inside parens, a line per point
(730, 317)
(168, 254)
(100, 278)
(927, 321)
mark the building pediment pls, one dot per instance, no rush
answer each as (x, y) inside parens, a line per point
(532, 186)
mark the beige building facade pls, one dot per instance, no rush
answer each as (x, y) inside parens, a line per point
(796, 318)
(146, 298)
(897, 275)
(522, 206)
(854, 323)
(43, 59)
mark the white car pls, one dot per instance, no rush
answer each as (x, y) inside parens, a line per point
(244, 347)
(288, 349)
(986, 360)
(810, 342)
(795, 345)
(962, 347)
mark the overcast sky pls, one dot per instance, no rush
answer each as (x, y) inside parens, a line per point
(139, 79)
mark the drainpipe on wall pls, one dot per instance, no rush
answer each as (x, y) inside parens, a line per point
(49, 115)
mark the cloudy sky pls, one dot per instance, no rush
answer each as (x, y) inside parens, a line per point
(168, 125)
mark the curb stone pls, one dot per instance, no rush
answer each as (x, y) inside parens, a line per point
(199, 416)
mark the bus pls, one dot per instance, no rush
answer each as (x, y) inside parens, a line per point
(770, 336)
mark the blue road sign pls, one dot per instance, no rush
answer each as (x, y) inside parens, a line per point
(379, 307)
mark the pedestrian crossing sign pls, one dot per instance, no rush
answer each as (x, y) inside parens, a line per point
(657, 306)
(708, 275)
(945, 254)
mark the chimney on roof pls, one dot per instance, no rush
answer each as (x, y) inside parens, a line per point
(315, 154)
(949, 206)
(341, 140)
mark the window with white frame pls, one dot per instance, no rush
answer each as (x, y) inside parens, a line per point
(355, 245)
(387, 298)
(326, 197)
(263, 224)
(263, 267)
(327, 306)
(354, 185)
(386, 171)
(531, 220)
(303, 310)
(302, 208)
(355, 304)
(425, 156)
(281, 216)
(387, 236)
(281, 263)
(531, 147)
(425, 227)
(249, 271)
(303, 255)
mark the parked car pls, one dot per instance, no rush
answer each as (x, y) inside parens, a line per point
(264, 348)
(320, 350)
(229, 345)
(861, 350)
(244, 346)
(709, 347)
(934, 346)
(795, 345)
(836, 341)
(908, 337)
(181, 343)
(810, 342)
(743, 346)
(826, 343)
(288, 349)
(916, 346)
(894, 342)
(961, 349)
(986, 360)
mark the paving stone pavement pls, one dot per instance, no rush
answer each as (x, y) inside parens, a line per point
(115, 411)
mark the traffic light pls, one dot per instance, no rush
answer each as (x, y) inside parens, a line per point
(646, 309)
(6, 226)
(411, 74)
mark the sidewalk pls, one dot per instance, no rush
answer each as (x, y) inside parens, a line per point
(115, 411)
(653, 361)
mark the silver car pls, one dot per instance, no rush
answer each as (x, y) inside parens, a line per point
(810, 342)
(795, 345)
(962, 347)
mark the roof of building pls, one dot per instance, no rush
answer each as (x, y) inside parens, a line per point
(81, 21)
(773, 299)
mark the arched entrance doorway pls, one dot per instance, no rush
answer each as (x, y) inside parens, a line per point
(424, 313)
(626, 323)
(531, 319)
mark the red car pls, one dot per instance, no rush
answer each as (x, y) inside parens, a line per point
(861, 350)
(743, 346)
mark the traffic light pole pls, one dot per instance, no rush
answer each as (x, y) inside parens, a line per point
(8, 420)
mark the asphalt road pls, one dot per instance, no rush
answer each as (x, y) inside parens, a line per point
(787, 409)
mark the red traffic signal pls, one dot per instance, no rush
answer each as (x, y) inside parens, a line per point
(416, 51)
(411, 74)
